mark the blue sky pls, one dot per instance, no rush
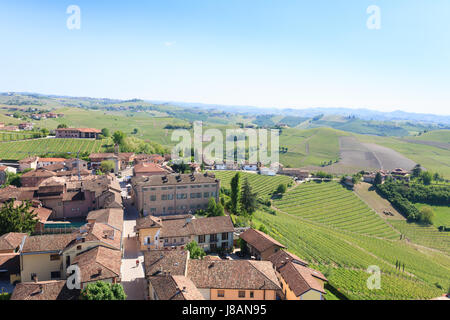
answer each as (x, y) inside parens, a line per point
(269, 53)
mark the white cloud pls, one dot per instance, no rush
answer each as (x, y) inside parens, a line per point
(169, 43)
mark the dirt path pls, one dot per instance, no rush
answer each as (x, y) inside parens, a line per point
(376, 202)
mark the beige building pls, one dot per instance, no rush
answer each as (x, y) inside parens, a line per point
(174, 194)
(211, 233)
(213, 279)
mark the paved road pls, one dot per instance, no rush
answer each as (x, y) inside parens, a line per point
(133, 277)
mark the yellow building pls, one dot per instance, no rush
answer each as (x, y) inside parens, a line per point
(234, 279)
(298, 281)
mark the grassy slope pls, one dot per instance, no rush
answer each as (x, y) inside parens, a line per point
(345, 257)
(437, 135)
(432, 158)
(442, 214)
(310, 147)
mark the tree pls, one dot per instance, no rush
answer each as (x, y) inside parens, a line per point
(135, 130)
(426, 177)
(105, 132)
(107, 166)
(378, 179)
(119, 137)
(214, 209)
(44, 132)
(235, 188)
(248, 198)
(101, 290)
(62, 126)
(281, 189)
(426, 215)
(195, 251)
(417, 171)
(17, 218)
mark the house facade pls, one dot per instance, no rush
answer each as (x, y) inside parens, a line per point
(173, 194)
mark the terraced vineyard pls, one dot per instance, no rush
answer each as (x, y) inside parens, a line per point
(331, 204)
(423, 235)
(21, 149)
(345, 256)
(13, 136)
(263, 185)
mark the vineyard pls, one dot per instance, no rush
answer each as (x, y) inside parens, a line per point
(331, 204)
(14, 136)
(425, 235)
(21, 149)
(263, 185)
(345, 256)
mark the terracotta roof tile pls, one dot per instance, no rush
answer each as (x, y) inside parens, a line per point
(233, 274)
(12, 240)
(158, 262)
(175, 288)
(48, 290)
(301, 279)
(259, 240)
(99, 263)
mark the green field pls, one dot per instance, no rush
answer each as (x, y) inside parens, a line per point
(331, 204)
(431, 157)
(441, 214)
(22, 149)
(345, 256)
(309, 147)
(428, 236)
(264, 186)
(13, 136)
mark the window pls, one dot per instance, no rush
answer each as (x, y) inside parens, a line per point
(225, 236)
(241, 294)
(252, 294)
(213, 247)
(54, 257)
(220, 293)
(152, 210)
(205, 194)
(78, 247)
(55, 274)
(170, 197)
(164, 197)
(201, 239)
(213, 238)
(153, 198)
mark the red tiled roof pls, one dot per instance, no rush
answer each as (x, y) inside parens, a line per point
(149, 167)
(233, 274)
(99, 263)
(10, 241)
(259, 240)
(158, 262)
(175, 288)
(302, 279)
(47, 290)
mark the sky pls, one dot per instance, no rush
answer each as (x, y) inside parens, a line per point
(267, 53)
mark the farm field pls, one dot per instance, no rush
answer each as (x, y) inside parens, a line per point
(310, 147)
(344, 258)
(441, 214)
(22, 149)
(13, 136)
(263, 185)
(428, 236)
(331, 204)
(430, 157)
(376, 202)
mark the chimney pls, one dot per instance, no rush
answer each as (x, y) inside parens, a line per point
(116, 149)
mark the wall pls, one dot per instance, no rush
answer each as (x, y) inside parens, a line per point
(39, 264)
(233, 294)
